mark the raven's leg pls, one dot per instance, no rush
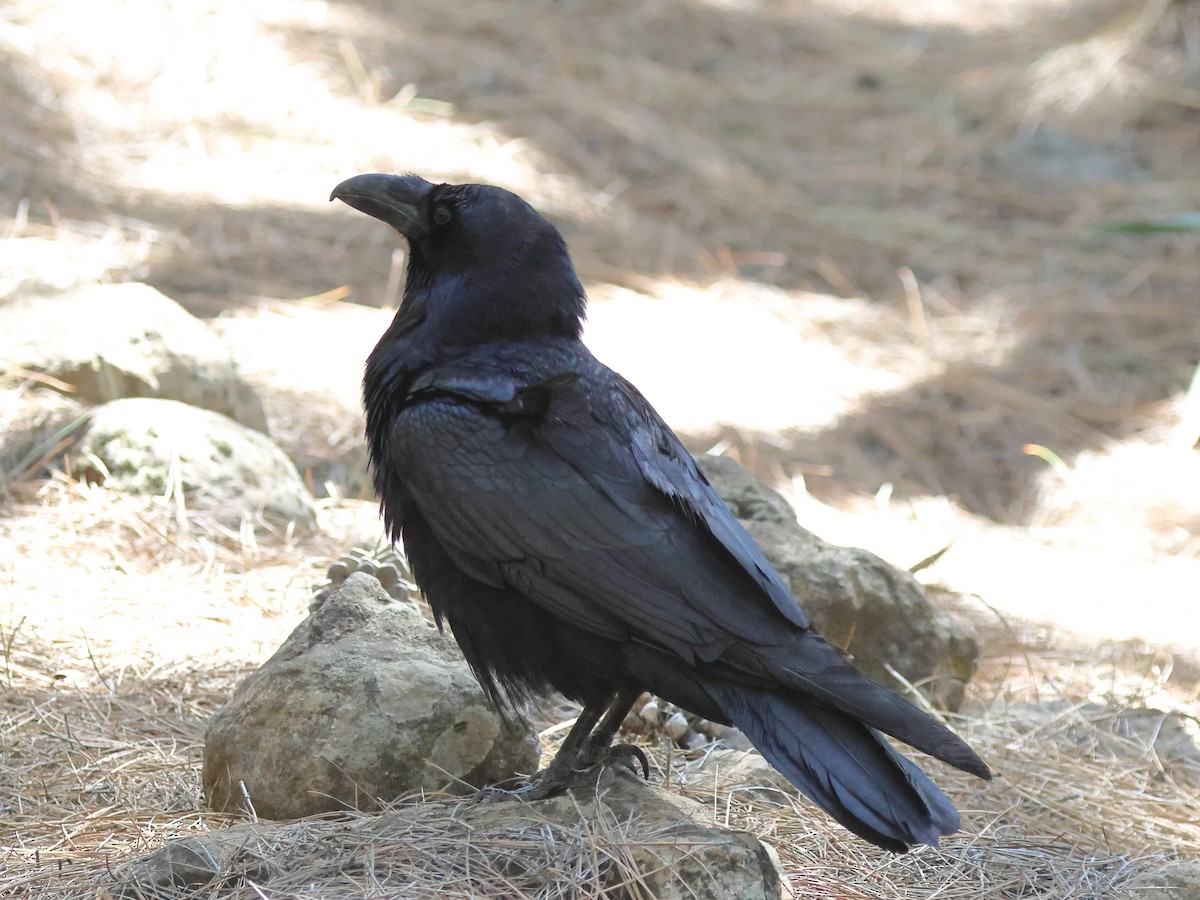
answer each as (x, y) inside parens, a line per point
(585, 748)
(598, 748)
(554, 778)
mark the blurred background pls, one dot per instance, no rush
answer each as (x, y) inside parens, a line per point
(931, 268)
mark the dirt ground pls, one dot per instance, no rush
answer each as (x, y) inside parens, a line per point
(899, 258)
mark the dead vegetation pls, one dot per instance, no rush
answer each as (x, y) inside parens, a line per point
(101, 761)
(992, 370)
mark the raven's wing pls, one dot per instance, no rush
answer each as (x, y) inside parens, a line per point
(574, 491)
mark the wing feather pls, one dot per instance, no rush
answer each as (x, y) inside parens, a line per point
(593, 509)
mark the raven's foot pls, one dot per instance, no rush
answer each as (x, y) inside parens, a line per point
(629, 756)
(494, 793)
(558, 776)
(549, 782)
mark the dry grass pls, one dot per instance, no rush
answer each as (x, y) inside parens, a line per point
(712, 164)
(93, 772)
(103, 736)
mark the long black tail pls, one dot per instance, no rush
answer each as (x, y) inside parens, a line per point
(844, 766)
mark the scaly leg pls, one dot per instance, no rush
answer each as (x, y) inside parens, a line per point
(583, 749)
(554, 778)
(598, 749)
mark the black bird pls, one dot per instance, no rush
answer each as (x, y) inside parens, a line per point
(560, 527)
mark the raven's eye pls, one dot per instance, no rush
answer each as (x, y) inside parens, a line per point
(442, 214)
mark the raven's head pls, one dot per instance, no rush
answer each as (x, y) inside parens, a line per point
(484, 264)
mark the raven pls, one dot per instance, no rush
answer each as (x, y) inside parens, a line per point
(559, 526)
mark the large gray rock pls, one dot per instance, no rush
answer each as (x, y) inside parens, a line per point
(32, 265)
(1177, 880)
(611, 835)
(111, 341)
(363, 703)
(158, 447)
(1165, 743)
(877, 613)
(743, 770)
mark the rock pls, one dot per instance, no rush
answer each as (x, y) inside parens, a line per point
(145, 446)
(194, 862)
(1179, 880)
(727, 735)
(744, 769)
(363, 703)
(657, 720)
(112, 341)
(676, 726)
(650, 713)
(1166, 742)
(747, 497)
(611, 835)
(376, 556)
(34, 422)
(877, 613)
(31, 265)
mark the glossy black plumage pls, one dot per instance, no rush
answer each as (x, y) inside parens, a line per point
(562, 530)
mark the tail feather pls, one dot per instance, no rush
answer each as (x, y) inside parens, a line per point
(813, 667)
(842, 765)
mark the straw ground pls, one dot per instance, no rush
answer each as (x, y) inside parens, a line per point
(871, 248)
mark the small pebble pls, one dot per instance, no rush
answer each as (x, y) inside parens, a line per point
(733, 739)
(380, 560)
(676, 726)
(650, 714)
(388, 575)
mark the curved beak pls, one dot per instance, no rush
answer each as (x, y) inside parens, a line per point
(397, 200)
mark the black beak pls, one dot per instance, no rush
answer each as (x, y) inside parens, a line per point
(397, 200)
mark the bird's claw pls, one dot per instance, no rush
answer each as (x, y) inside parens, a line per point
(548, 782)
(551, 781)
(630, 756)
(494, 793)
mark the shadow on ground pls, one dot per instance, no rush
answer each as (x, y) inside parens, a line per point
(792, 146)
